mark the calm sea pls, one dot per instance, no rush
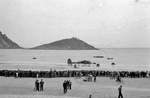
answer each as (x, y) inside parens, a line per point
(125, 59)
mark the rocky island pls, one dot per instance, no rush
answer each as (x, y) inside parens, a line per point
(67, 44)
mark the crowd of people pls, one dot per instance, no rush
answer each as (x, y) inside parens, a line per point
(66, 86)
(39, 85)
(73, 73)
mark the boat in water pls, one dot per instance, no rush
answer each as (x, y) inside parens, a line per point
(98, 56)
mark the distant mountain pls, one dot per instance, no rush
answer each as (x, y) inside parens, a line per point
(6, 43)
(67, 44)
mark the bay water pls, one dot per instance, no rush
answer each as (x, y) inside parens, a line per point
(124, 58)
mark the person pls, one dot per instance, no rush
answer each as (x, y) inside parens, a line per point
(16, 74)
(90, 96)
(37, 75)
(67, 82)
(95, 78)
(70, 84)
(120, 92)
(37, 85)
(41, 85)
(118, 79)
(65, 87)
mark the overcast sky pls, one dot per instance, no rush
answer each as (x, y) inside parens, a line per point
(102, 23)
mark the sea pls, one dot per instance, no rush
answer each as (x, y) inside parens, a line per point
(123, 58)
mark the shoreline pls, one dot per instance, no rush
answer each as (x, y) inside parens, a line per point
(52, 73)
(66, 68)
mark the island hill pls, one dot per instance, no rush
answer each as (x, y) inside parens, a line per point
(67, 44)
(6, 43)
(64, 44)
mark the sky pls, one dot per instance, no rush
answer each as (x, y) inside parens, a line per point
(101, 23)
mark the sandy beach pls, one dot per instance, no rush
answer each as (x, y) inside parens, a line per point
(103, 88)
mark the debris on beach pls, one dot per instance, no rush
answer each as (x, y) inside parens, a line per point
(113, 63)
(94, 63)
(97, 65)
(109, 58)
(34, 58)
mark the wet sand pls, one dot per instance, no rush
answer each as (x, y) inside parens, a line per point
(105, 87)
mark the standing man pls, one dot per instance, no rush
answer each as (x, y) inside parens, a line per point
(94, 78)
(70, 83)
(37, 85)
(41, 85)
(120, 92)
(65, 87)
(90, 96)
(16, 74)
(67, 84)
